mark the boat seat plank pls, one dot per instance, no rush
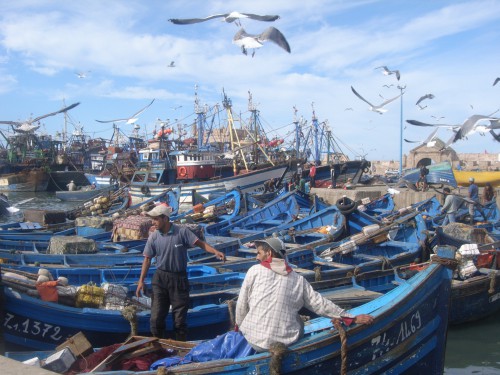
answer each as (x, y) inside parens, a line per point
(350, 294)
(333, 264)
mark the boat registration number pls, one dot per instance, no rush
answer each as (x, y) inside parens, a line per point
(396, 335)
(27, 326)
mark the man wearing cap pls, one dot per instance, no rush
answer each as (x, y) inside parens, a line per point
(451, 204)
(71, 186)
(169, 244)
(271, 296)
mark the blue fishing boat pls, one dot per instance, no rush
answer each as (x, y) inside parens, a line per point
(120, 275)
(474, 294)
(283, 209)
(408, 336)
(381, 206)
(439, 174)
(221, 209)
(46, 325)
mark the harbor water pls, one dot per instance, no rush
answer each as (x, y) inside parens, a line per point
(472, 348)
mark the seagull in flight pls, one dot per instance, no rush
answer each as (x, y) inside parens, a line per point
(246, 41)
(429, 141)
(427, 96)
(82, 74)
(131, 119)
(437, 118)
(469, 126)
(376, 108)
(27, 126)
(496, 81)
(388, 86)
(389, 72)
(226, 17)
(171, 65)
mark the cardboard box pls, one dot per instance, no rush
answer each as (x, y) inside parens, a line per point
(78, 344)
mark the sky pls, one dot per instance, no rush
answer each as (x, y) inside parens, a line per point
(449, 48)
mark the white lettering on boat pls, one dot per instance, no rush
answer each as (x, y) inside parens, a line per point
(388, 340)
(31, 327)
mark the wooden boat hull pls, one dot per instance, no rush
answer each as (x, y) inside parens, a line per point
(33, 181)
(439, 174)
(33, 323)
(252, 181)
(408, 336)
(480, 177)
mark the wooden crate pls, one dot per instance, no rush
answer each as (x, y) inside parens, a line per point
(44, 217)
(78, 344)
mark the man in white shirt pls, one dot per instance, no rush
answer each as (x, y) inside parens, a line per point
(271, 296)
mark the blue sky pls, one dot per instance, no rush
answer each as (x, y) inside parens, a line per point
(447, 48)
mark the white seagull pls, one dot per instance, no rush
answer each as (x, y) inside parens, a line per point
(227, 17)
(375, 108)
(429, 141)
(246, 41)
(82, 74)
(27, 126)
(422, 98)
(388, 72)
(131, 119)
(469, 126)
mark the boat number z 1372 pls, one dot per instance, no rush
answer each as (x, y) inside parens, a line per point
(31, 327)
(396, 335)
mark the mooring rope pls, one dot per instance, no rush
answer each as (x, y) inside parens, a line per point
(492, 282)
(343, 346)
(448, 263)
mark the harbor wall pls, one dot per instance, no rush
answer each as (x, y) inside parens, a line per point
(405, 198)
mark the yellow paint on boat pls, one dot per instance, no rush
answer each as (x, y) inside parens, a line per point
(480, 177)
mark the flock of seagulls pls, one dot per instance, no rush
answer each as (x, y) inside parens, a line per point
(242, 38)
(376, 108)
(129, 120)
(474, 123)
(28, 125)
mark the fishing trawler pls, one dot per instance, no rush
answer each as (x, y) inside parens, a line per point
(206, 163)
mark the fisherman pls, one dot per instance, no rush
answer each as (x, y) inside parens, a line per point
(169, 244)
(473, 194)
(71, 186)
(422, 184)
(312, 175)
(450, 207)
(271, 296)
(488, 193)
(333, 176)
(269, 185)
(92, 186)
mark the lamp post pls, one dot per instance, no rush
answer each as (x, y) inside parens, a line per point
(401, 88)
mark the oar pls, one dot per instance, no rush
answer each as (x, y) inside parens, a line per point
(13, 209)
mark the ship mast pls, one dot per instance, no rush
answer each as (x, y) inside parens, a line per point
(226, 102)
